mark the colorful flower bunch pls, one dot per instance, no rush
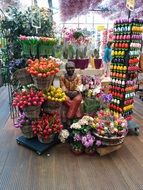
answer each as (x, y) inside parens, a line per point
(82, 134)
(76, 37)
(55, 94)
(22, 120)
(16, 64)
(47, 125)
(43, 67)
(34, 40)
(107, 124)
(28, 97)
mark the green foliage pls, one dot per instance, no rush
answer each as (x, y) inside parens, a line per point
(20, 23)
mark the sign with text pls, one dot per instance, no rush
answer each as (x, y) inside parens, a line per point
(130, 4)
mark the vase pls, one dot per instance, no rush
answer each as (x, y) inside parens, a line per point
(46, 141)
(97, 63)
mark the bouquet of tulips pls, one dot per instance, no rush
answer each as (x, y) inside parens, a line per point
(55, 94)
(28, 96)
(46, 126)
(43, 67)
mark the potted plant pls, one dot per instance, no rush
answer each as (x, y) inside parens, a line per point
(82, 138)
(46, 127)
(76, 42)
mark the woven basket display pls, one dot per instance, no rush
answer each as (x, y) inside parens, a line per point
(51, 106)
(32, 112)
(110, 141)
(23, 77)
(43, 83)
(27, 131)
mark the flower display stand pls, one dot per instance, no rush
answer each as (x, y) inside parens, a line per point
(106, 150)
(35, 145)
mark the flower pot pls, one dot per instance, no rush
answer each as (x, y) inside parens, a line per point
(32, 112)
(80, 63)
(97, 63)
(89, 151)
(27, 131)
(77, 150)
(43, 83)
(46, 141)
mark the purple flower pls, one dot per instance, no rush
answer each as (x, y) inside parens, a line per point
(77, 137)
(98, 143)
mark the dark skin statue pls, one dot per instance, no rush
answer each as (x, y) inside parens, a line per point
(70, 69)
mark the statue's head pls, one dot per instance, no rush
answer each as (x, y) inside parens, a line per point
(70, 68)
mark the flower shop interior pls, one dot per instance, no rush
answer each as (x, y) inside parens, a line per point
(71, 95)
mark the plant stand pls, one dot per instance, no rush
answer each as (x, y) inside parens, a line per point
(106, 150)
(35, 145)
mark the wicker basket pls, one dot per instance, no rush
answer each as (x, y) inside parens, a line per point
(46, 141)
(23, 77)
(106, 141)
(32, 112)
(51, 106)
(43, 83)
(27, 131)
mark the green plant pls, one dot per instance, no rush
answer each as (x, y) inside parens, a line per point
(18, 23)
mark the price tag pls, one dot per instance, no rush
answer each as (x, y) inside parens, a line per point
(130, 4)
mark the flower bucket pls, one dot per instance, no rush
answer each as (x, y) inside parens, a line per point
(32, 112)
(23, 77)
(80, 63)
(98, 63)
(51, 106)
(46, 141)
(43, 83)
(27, 131)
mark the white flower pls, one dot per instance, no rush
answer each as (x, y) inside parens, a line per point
(88, 118)
(75, 126)
(83, 122)
(63, 135)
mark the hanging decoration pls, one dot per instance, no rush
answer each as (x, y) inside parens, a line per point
(111, 9)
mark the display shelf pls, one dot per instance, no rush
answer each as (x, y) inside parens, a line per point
(124, 67)
(35, 145)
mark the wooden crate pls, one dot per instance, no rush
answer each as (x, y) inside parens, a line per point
(106, 150)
